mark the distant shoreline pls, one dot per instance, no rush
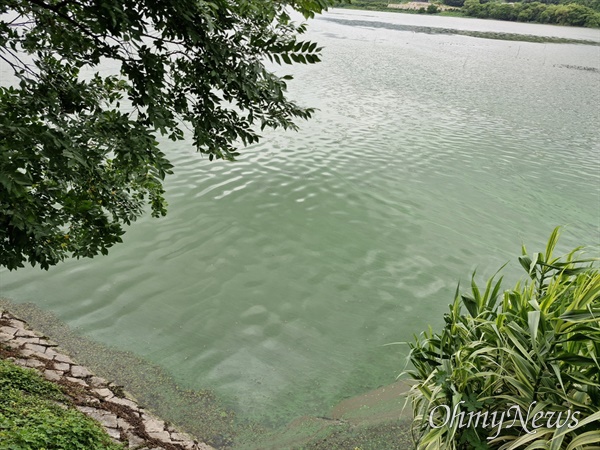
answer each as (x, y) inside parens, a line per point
(506, 12)
(449, 11)
(507, 35)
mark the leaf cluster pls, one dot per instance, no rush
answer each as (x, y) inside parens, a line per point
(79, 156)
(535, 346)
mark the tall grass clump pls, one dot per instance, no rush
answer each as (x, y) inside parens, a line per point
(518, 369)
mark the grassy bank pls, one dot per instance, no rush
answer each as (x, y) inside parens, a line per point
(35, 414)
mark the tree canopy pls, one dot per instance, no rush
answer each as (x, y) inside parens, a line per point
(79, 157)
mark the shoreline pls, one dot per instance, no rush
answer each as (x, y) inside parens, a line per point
(420, 9)
(358, 421)
(442, 23)
(117, 411)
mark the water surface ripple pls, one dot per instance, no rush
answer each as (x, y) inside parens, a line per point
(277, 279)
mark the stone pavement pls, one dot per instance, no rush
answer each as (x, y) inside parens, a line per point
(122, 418)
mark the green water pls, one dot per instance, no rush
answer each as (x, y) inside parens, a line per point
(276, 280)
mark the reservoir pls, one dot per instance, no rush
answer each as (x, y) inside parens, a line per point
(439, 146)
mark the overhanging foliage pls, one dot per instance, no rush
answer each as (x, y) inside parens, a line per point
(78, 154)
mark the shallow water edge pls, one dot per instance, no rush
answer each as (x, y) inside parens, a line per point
(363, 419)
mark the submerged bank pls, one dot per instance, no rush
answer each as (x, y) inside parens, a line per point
(121, 417)
(498, 35)
(374, 420)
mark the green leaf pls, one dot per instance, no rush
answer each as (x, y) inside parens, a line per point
(526, 263)
(591, 437)
(582, 315)
(471, 305)
(574, 359)
(533, 319)
(551, 245)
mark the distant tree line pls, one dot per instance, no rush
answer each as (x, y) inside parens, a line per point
(573, 14)
(592, 4)
(579, 13)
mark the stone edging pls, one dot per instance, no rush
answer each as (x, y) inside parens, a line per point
(122, 418)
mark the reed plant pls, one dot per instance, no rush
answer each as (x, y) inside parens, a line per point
(514, 369)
